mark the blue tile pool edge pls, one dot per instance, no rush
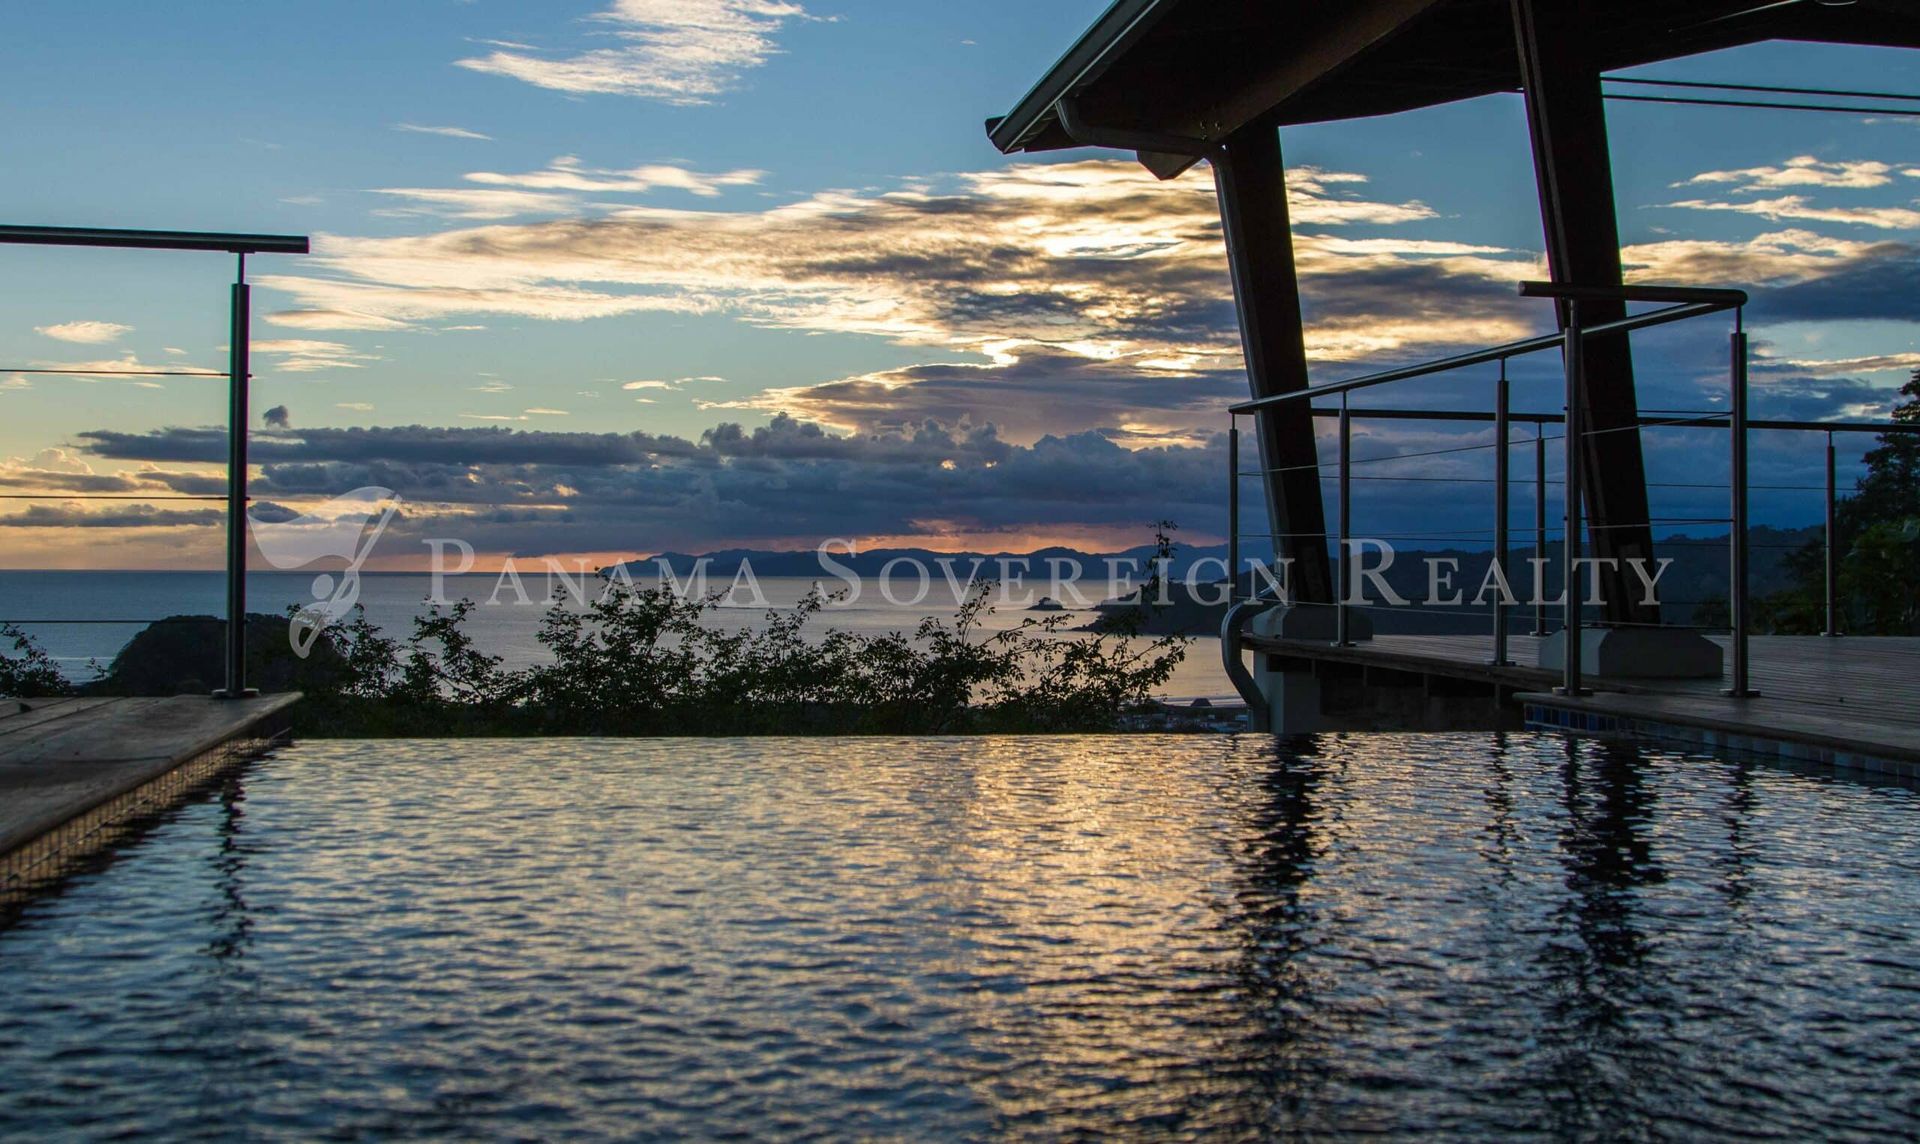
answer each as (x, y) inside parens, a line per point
(1542, 715)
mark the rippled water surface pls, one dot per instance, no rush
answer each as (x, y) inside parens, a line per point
(1423, 936)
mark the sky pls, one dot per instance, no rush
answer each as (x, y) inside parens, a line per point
(613, 277)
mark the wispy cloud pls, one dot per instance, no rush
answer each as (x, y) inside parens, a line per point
(1802, 208)
(332, 320)
(1842, 367)
(566, 173)
(1801, 174)
(106, 369)
(85, 332)
(355, 406)
(673, 51)
(1775, 258)
(1800, 171)
(559, 189)
(448, 132)
(476, 203)
(308, 355)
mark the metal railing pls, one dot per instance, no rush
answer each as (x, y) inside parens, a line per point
(238, 374)
(1681, 304)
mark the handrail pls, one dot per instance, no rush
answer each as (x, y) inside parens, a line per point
(1676, 313)
(1723, 297)
(1680, 303)
(1703, 421)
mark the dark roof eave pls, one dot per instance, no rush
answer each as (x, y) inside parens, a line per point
(1116, 30)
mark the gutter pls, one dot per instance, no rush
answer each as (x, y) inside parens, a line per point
(1067, 111)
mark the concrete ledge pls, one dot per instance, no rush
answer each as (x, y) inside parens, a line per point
(1319, 622)
(1637, 653)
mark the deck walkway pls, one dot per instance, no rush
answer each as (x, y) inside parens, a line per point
(1852, 702)
(71, 770)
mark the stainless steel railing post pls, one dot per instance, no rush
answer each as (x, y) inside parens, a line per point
(1342, 635)
(1539, 523)
(1500, 509)
(1233, 507)
(1833, 556)
(1737, 553)
(1570, 573)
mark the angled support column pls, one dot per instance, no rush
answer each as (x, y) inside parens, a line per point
(1252, 185)
(1567, 120)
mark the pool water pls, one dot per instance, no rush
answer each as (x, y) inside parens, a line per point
(1423, 937)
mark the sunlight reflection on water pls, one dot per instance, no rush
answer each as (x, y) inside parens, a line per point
(1416, 935)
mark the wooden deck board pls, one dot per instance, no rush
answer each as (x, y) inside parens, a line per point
(1857, 694)
(65, 757)
(17, 715)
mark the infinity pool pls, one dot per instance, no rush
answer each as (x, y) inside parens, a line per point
(1416, 936)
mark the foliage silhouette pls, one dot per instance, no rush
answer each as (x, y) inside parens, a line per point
(642, 661)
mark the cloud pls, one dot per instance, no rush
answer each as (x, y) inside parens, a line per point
(793, 480)
(471, 203)
(1776, 258)
(1038, 392)
(354, 406)
(309, 355)
(85, 332)
(557, 190)
(60, 461)
(1842, 367)
(1050, 297)
(540, 412)
(567, 174)
(279, 417)
(1800, 207)
(1093, 260)
(104, 369)
(673, 51)
(1800, 171)
(332, 320)
(542, 491)
(1881, 282)
(449, 132)
(73, 515)
(61, 470)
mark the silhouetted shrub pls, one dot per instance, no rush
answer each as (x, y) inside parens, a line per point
(29, 673)
(641, 661)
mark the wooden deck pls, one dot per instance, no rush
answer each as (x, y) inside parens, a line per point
(1852, 702)
(72, 770)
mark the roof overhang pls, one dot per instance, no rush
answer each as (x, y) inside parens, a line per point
(1192, 72)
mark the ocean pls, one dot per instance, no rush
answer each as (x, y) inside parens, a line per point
(83, 618)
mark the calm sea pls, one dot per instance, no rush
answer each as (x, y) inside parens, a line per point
(501, 624)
